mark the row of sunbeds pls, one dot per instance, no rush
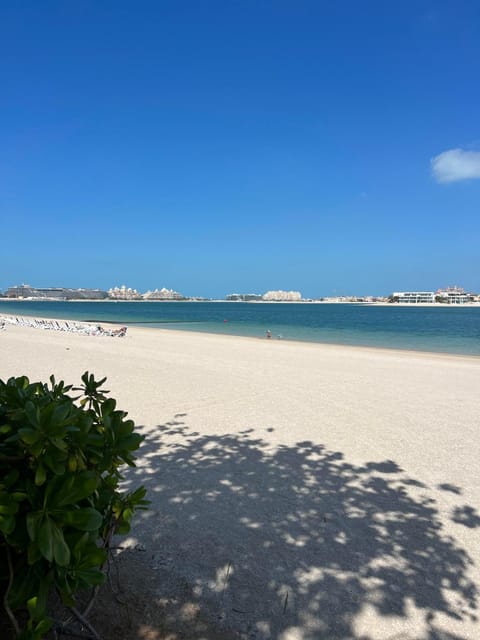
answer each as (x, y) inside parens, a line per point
(55, 325)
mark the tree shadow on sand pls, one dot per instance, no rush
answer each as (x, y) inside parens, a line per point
(296, 542)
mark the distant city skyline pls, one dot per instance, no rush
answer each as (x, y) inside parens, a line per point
(331, 148)
(29, 292)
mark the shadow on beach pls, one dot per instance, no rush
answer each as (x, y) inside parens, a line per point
(243, 541)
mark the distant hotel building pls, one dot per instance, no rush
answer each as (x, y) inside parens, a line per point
(269, 296)
(244, 297)
(282, 296)
(25, 291)
(414, 297)
(122, 293)
(450, 295)
(163, 294)
(453, 295)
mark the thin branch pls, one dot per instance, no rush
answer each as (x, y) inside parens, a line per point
(84, 622)
(118, 548)
(6, 606)
(65, 629)
(226, 580)
(116, 590)
(93, 597)
(106, 546)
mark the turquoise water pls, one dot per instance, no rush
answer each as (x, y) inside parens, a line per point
(437, 329)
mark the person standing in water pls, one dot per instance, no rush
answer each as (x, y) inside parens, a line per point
(269, 333)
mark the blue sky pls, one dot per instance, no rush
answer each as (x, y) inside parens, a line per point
(221, 146)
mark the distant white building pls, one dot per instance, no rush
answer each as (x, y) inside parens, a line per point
(453, 295)
(122, 293)
(244, 297)
(282, 296)
(163, 294)
(414, 297)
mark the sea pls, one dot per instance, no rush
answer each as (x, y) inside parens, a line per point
(439, 329)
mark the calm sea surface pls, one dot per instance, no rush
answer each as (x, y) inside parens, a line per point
(437, 329)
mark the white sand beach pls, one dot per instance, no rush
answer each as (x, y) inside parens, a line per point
(299, 491)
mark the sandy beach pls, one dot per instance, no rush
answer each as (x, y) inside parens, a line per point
(299, 491)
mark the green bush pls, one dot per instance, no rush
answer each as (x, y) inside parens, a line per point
(60, 503)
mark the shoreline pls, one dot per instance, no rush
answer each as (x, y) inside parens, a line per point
(274, 302)
(331, 345)
(327, 345)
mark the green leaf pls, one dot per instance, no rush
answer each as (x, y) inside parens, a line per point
(54, 460)
(11, 477)
(8, 509)
(59, 444)
(131, 442)
(93, 557)
(26, 584)
(45, 538)
(43, 627)
(37, 448)
(75, 487)
(85, 519)
(108, 407)
(33, 413)
(92, 577)
(122, 528)
(7, 524)
(8, 505)
(29, 435)
(33, 524)
(37, 606)
(61, 412)
(127, 514)
(61, 551)
(40, 475)
(18, 496)
(33, 554)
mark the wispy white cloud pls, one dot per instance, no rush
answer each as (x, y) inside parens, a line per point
(456, 164)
